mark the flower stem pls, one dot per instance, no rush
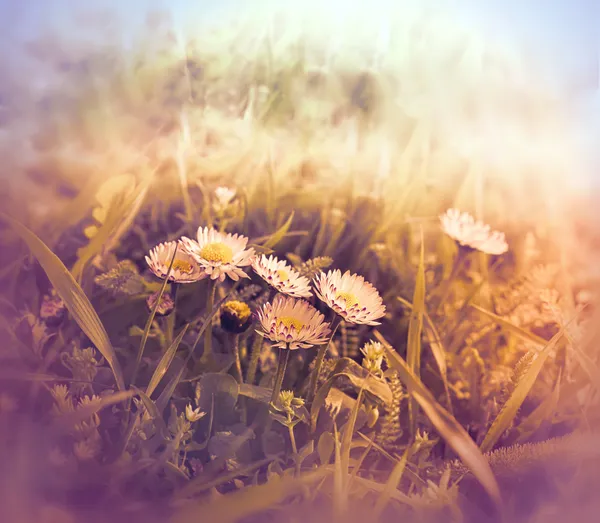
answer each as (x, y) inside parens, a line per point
(284, 356)
(170, 319)
(292, 439)
(207, 355)
(238, 362)
(254, 357)
(312, 388)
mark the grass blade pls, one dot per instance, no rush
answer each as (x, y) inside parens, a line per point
(390, 487)
(415, 328)
(446, 425)
(279, 234)
(165, 362)
(150, 320)
(246, 502)
(511, 327)
(72, 294)
(516, 399)
(86, 412)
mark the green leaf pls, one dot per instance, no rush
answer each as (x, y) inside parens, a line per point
(72, 294)
(165, 362)
(446, 425)
(279, 234)
(516, 399)
(415, 328)
(222, 387)
(325, 447)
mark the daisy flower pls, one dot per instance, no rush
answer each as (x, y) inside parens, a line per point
(184, 270)
(220, 254)
(223, 199)
(463, 228)
(282, 277)
(294, 323)
(350, 296)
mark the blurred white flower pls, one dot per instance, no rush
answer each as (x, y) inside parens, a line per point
(282, 276)
(223, 199)
(350, 296)
(463, 228)
(220, 254)
(185, 269)
(293, 323)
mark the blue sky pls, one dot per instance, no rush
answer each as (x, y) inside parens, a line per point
(564, 34)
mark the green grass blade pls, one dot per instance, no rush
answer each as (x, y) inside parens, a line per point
(165, 362)
(279, 234)
(150, 320)
(446, 425)
(516, 399)
(347, 440)
(72, 294)
(415, 328)
(390, 486)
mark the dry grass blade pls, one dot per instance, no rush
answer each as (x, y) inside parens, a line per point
(72, 294)
(437, 348)
(511, 327)
(516, 399)
(165, 362)
(415, 328)
(447, 426)
(390, 487)
(246, 502)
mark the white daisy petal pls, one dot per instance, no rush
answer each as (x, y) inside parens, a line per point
(220, 254)
(282, 277)
(294, 323)
(185, 268)
(350, 296)
(463, 228)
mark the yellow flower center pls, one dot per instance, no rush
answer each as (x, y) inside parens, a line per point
(183, 266)
(217, 252)
(283, 275)
(288, 321)
(349, 299)
(239, 308)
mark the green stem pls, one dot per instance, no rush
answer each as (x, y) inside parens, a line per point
(170, 319)
(257, 345)
(284, 356)
(292, 439)
(207, 355)
(238, 362)
(312, 388)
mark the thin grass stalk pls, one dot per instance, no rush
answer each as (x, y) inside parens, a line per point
(284, 356)
(140, 353)
(312, 388)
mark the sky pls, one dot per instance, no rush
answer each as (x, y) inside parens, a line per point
(563, 35)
